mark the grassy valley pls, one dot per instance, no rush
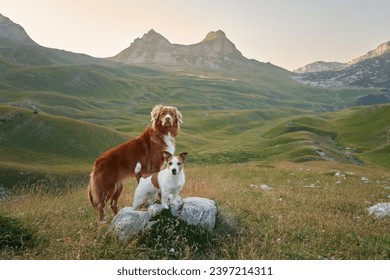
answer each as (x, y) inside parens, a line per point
(310, 213)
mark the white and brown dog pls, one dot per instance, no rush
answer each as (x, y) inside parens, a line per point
(112, 169)
(168, 182)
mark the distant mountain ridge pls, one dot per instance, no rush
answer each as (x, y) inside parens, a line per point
(367, 71)
(215, 51)
(382, 49)
(322, 66)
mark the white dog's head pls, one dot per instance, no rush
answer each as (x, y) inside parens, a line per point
(175, 163)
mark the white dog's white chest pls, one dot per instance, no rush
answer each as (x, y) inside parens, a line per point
(172, 183)
(170, 142)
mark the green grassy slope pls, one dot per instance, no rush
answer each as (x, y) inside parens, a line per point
(68, 90)
(39, 144)
(366, 130)
(355, 135)
(45, 144)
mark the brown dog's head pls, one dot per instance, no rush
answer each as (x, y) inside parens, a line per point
(166, 119)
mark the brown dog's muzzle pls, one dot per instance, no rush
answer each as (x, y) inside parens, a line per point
(167, 121)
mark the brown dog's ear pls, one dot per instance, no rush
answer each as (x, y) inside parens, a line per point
(179, 116)
(155, 111)
(183, 156)
(167, 155)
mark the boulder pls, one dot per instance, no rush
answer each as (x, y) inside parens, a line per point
(194, 211)
(199, 211)
(128, 223)
(380, 210)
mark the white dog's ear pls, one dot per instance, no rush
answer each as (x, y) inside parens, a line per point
(167, 155)
(183, 156)
(155, 111)
(179, 116)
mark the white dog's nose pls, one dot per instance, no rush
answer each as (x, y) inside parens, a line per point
(174, 171)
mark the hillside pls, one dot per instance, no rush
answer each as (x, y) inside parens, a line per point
(37, 145)
(344, 136)
(89, 92)
(359, 135)
(34, 146)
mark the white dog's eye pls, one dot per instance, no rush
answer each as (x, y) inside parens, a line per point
(170, 163)
(179, 163)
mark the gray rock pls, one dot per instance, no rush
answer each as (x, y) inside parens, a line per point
(155, 209)
(128, 223)
(380, 210)
(195, 211)
(176, 207)
(199, 212)
(261, 187)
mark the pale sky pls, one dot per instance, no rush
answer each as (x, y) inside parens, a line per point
(287, 33)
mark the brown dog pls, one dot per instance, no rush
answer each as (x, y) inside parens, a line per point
(117, 165)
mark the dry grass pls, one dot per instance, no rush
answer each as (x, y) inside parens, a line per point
(309, 214)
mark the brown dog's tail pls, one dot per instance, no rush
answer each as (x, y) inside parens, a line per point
(137, 171)
(90, 190)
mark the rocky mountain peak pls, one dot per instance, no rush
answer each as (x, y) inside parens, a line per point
(12, 34)
(219, 44)
(214, 51)
(214, 35)
(380, 50)
(153, 35)
(320, 66)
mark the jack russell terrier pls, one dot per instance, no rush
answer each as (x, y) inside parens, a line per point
(168, 182)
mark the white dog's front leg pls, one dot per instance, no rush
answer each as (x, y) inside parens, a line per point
(152, 198)
(164, 200)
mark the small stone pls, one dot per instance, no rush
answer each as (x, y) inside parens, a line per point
(380, 210)
(261, 187)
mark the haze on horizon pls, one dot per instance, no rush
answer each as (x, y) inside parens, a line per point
(289, 34)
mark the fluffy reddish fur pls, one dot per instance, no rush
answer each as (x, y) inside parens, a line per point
(112, 169)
